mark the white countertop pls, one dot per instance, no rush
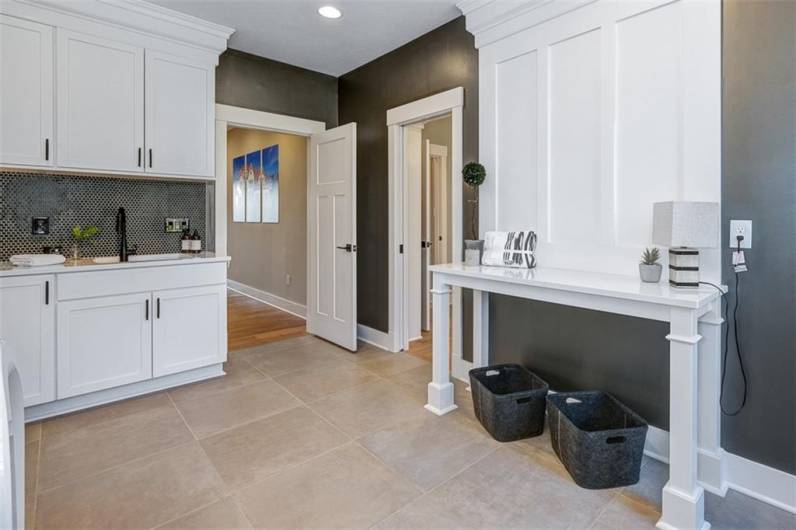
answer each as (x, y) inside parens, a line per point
(595, 283)
(86, 264)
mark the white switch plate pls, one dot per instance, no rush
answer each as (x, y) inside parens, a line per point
(743, 228)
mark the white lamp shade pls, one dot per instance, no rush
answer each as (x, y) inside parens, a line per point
(685, 224)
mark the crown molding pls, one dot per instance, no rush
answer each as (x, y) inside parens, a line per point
(138, 15)
(492, 20)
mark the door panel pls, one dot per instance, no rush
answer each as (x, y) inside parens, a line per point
(180, 124)
(103, 343)
(27, 326)
(189, 329)
(100, 103)
(331, 230)
(26, 92)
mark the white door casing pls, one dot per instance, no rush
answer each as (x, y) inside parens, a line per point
(100, 110)
(26, 105)
(332, 236)
(427, 236)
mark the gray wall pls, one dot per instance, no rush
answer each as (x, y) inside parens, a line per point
(759, 183)
(249, 81)
(70, 200)
(263, 254)
(439, 60)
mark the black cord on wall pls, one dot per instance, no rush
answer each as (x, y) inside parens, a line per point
(726, 304)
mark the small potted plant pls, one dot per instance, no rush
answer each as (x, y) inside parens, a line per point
(474, 175)
(82, 235)
(649, 269)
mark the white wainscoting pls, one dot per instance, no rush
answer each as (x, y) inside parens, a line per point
(588, 118)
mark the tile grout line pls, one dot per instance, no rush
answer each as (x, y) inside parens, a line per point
(179, 412)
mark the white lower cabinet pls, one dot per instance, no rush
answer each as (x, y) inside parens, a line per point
(27, 327)
(189, 328)
(103, 343)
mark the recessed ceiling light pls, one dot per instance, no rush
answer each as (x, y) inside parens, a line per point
(329, 12)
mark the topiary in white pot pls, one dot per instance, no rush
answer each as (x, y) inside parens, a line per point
(474, 175)
(649, 269)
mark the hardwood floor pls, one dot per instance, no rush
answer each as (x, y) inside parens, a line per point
(421, 347)
(251, 323)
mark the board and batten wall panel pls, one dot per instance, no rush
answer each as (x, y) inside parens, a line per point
(589, 118)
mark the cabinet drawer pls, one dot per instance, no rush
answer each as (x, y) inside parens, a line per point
(136, 280)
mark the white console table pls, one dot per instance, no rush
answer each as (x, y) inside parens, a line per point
(694, 316)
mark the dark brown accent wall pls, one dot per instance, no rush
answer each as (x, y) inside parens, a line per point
(440, 60)
(252, 82)
(759, 183)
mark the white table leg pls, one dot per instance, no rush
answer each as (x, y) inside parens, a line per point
(440, 389)
(683, 497)
(711, 456)
(480, 329)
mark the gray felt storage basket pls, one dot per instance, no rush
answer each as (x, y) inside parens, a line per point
(598, 439)
(509, 401)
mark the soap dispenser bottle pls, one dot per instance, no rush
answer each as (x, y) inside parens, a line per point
(185, 241)
(196, 242)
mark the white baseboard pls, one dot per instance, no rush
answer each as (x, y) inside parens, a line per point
(110, 395)
(288, 306)
(375, 337)
(756, 480)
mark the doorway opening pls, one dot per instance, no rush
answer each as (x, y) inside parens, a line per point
(410, 231)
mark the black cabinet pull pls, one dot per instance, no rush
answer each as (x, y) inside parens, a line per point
(146, 310)
(47, 149)
(47, 292)
(150, 157)
(158, 308)
(139, 157)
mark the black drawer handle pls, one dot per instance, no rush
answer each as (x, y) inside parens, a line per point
(158, 308)
(47, 292)
(150, 157)
(615, 440)
(139, 157)
(47, 149)
(146, 310)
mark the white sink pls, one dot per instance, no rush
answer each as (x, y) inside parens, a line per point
(105, 260)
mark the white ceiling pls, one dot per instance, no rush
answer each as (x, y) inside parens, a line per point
(291, 31)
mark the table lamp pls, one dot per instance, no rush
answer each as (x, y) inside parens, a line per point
(685, 227)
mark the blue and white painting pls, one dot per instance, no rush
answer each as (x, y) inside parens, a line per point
(253, 173)
(270, 188)
(238, 190)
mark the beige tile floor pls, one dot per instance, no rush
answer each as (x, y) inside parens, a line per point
(301, 434)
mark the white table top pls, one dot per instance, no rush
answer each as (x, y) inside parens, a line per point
(594, 283)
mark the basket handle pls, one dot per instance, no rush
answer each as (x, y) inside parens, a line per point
(615, 440)
(523, 400)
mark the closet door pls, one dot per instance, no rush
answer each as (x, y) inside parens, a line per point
(100, 103)
(26, 92)
(180, 116)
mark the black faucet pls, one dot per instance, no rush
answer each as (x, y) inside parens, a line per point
(121, 231)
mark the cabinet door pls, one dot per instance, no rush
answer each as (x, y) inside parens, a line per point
(180, 110)
(100, 103)
(103, 343)
(190, 328)
(26, 92)
(27, 326)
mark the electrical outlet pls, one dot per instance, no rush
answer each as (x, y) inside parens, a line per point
(288, 279)
(741, 228)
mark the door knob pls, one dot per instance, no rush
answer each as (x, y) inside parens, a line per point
(349, 248)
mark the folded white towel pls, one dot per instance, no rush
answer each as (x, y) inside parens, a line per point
(36, 260)
(510, 249)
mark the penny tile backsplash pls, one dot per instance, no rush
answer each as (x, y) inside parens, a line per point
(70, 200)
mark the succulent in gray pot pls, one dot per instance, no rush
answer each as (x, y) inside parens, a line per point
(649, 269)
(474, 175)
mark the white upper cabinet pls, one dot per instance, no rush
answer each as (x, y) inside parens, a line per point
(180, 115)
(26, 104)
(130, 93)
(100, 103)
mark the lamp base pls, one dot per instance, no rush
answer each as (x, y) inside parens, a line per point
(684, 268)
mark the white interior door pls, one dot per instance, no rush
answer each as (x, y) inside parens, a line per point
(332, 236)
